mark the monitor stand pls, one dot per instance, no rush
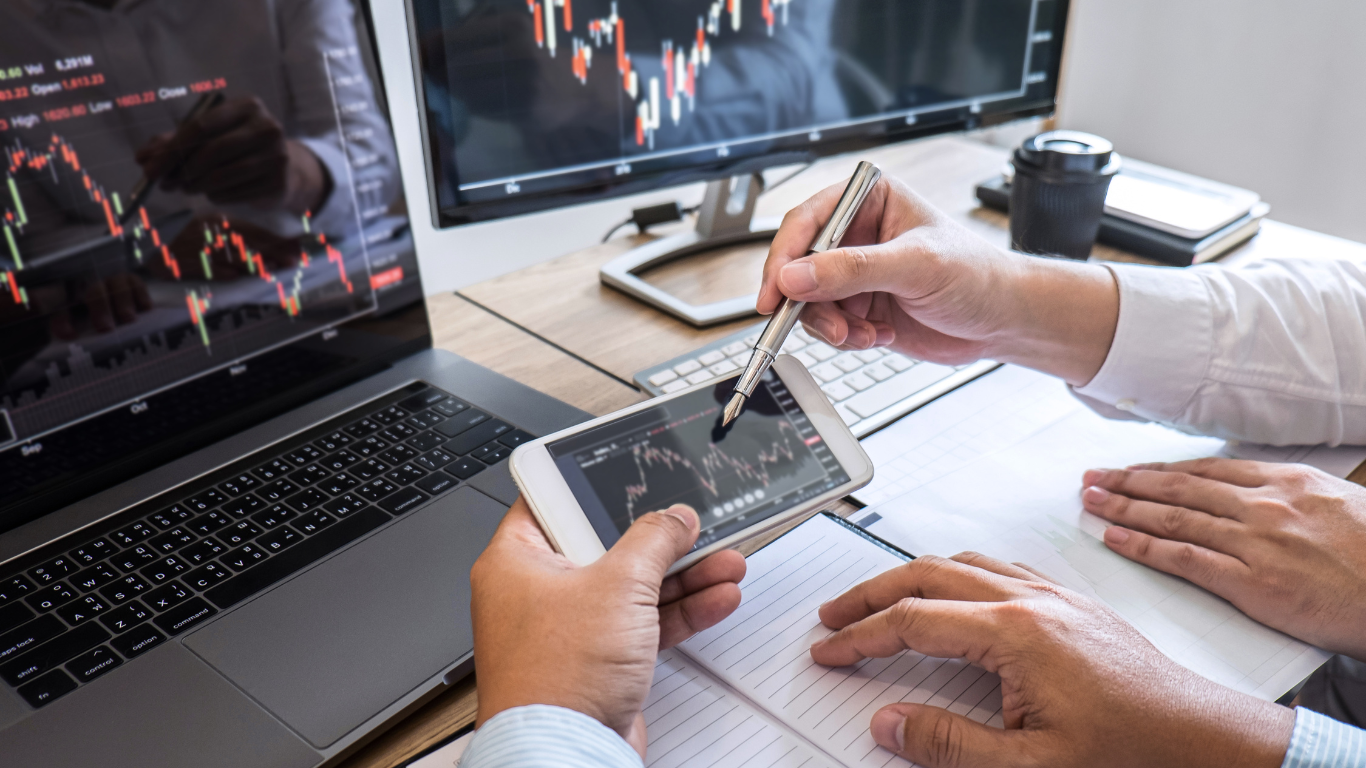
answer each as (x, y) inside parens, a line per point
(726, 218)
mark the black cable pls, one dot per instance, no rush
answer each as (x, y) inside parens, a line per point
(787, 178)
(617, 228)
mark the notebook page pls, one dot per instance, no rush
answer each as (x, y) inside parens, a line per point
(693, 721)
(763, 649)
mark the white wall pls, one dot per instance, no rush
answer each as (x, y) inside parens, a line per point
(1265, 94)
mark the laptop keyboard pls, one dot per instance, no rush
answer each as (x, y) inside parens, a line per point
(869, 389)
(85, 604)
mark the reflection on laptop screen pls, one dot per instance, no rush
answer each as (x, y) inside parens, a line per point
(269, 260)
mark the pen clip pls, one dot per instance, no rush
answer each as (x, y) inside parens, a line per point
(866, 176)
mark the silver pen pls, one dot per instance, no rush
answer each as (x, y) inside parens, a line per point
(770, 342)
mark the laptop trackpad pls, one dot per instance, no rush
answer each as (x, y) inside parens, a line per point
(330, 649)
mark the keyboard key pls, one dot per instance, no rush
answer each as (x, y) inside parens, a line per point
(240, 532)
(338, 484)
(165, 569)
(427, 441)
(203, 551)
(125, 588)
(498, 455)
(423, 399)
(390, 415)
(687, 367)
(847, 362)
(869, 355)
(368, 447)
(406, 475)
(172, 540)
(345, 504)
(125, 617)
(166, 597)
(806, 360)
(734, 348)
(53, 653)
(92, 664)
(209, 522)
(244, 585)
(310, 475)
(277, 491)
(132, 534)
(312, 522)
(94, 577)
(141, 639)
(476, 437)
(425, 420)
(14, 614)
(93, 552)
(240, 508)
(898, 388)
(793, 344)
(206, 501)
(303, 455)
(376, 489)
(29, 636)
(399, 454)
(369, 470)
(515, 438)
(462, 422)
(434, 460)
(751, 340)
(662, 378)
(437, 483)
(82, 610)
(245, 557)
(51, 596)
(239, 485)
(711, 358)
(722, 368)
(13, 588)
(333, 441)
(53, 570)
(821, 351)
(339, 461)
(837, 391)
(741, 361)
(362, 428)
(450, 407)
(699, 377)
(465, 468)
(307, 500)
(825, 372)
(674, 386)
(273, 470)
(859, 382)
(484, 451)
(206, 576)
(130, 560)
(279, 539)
(275, 516)
(398, 433)
(47, 688)
(184, 616)
(897, 363)
(879, 372)
(403, 501)
(170, 518)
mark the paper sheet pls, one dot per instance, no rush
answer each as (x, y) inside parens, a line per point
(996, 467)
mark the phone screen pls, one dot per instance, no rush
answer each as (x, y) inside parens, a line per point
(767, 461)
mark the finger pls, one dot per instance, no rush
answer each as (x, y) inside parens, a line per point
(1167, 521)
(1000, 567)
(99, 309)
(1038, 573)
(244, 142)
(681, 619)
(1216, 572)
(1175, 488)
(1247, 474)
(652, 544)
(929, 577)
(847, 271)
(937, 738)
(949, 629)
(837, 327)
(121, 299)
(726, 566)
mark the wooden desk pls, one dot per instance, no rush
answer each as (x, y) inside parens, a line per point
(554, 327)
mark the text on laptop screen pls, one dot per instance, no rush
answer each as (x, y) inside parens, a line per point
(269, 260)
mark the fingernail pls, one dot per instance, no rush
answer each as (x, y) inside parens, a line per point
(1092, 476)
(1095, 496)
(1116, 535)
(859, 337)
(889, 730)
(826, 329)
(798, 277)
(885, 336)
(684, 513)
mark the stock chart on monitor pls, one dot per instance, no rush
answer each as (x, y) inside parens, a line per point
(768, 461)
(526, 97)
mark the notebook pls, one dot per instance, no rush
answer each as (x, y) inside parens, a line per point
(747, 693)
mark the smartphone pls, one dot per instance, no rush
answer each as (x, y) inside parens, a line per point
(788, 453)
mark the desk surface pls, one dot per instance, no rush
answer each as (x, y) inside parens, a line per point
(554, 327)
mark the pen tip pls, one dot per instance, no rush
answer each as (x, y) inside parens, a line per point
(733, 408)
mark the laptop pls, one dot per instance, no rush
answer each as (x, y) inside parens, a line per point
(240, 492)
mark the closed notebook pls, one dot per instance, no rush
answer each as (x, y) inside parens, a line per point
(747, 693)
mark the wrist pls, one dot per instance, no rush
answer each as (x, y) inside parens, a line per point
(1235, 730)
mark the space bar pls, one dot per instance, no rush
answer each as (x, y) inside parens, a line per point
(328, 540)
(897, 388)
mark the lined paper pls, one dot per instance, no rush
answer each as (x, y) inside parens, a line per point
(762, 651)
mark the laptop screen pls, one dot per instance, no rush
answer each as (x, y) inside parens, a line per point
(201, 225)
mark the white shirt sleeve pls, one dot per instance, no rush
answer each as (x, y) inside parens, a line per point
(541, 736)
(1271, 353)
(1322, 742)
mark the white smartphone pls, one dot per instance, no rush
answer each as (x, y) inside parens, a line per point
(788, 453)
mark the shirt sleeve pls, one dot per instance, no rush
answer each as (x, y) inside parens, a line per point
(1270, 353)
(1322, 742)
(542, 736)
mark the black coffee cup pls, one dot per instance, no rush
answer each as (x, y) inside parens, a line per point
(1057, 196)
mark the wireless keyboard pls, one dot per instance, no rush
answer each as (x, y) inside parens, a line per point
(869, 389)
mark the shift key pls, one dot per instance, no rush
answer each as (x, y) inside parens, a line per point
(461, 422)
(484, 433)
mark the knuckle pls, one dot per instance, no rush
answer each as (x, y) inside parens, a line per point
(1173, 522)
(903, 615)
(857, 264)
(945, 742)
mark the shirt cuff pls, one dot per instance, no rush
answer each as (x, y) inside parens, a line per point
(1322, 742)
(542, 736)
(1162, 346)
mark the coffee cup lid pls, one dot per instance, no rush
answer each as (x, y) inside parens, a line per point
(1068, 152)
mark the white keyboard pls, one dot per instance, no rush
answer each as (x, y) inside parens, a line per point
(869, 389)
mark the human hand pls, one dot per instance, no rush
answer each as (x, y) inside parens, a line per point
(108, 302)
(911, 278)
(547, 632)
(238, 152)
(1079, 686)
(1284, 543)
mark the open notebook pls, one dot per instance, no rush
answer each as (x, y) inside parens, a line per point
(746, 692)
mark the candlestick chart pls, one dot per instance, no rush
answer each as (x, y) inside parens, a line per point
(684, 60)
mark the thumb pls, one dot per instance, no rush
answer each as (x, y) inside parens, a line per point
(937, 738)
(844, 272)
(654, 542)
